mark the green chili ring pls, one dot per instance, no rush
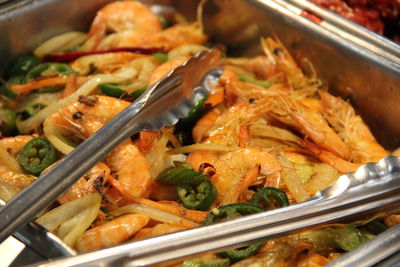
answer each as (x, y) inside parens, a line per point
(231, 211)
(22, 65)
(238, 254)
(56, 68)
(199, 198)
(264, 194)
(36, 156)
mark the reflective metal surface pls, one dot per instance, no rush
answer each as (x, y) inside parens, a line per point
(371, 189)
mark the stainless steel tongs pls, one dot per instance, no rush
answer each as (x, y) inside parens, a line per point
(162, 104)
(372, 189)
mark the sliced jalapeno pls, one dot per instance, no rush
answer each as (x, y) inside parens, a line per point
(111, 89)
(249, 79)
(22, 65)
(115, 90)
(36, 156)
(199, 197)
(238, 254)
(49, 69)
(206, 262)
(5, 87)
(231, 211)
(267, 193)
(8, 122)
(181, 174)
(194, 114)
(138, 92)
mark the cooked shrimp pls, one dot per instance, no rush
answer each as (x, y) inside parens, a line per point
(199, 157)
(199, 131)
(165, 68)
(129, 17)
(85, 64)
(13, 145)
(351, 128)
(285, 67)
(232, 167)
(111, 233)
(226, 129)
(125, 161)
(91, 182)
(328, 157)
(170, 38)
(312, 124)
(131, 167)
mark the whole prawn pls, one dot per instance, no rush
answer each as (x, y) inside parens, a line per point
(351, 128)
(128, 18)
(112, 232)
(84, 118)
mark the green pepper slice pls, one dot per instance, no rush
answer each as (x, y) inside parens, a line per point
(5, 87)
(49, 69)
(36, 156)
(22, 65)
(161, 57)
(194, 114)
(375, 227)
(238, 254)
(231, 211)
(264, 195)
(181, 174)
(199, 198)
(206, 262)
(111, 89)
(114, 90)
(8, 120)
(249, 79)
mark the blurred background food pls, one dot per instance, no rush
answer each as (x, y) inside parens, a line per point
(380, 16)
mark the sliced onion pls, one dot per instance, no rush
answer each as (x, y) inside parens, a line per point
(60, 43)
(292, 181)
(46, 99)
(28, 125)
(324, 176)
(55, 217)
(185, 51)
(152, 213)
(79, 224)
(264, 130)
(58, 143)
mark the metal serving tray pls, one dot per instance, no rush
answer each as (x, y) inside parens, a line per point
(369, 79)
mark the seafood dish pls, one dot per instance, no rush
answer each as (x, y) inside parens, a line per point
(269, 135)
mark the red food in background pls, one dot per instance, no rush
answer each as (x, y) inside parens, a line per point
(380, 16)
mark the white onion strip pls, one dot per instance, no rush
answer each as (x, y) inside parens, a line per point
(152, 213)
(60, 43)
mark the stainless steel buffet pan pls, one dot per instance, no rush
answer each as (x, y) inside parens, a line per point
(369, 79)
